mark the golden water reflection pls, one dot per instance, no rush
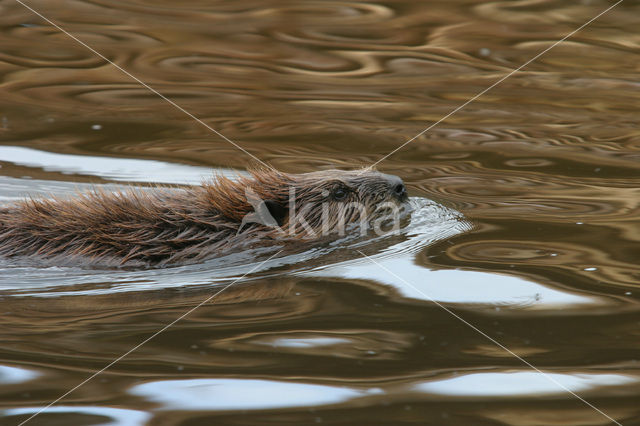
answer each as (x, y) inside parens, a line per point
(545, 165)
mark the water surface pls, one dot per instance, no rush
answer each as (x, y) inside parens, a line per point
(545, 169)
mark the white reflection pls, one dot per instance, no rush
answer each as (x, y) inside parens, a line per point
(12, 375)
(118, 169)
(432, 222)
(240, 394)
(521, 383)
(311, 342)
(116, 416)
(453, 286)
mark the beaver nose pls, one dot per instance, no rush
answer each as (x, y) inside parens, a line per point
(400, 190)
(397, 187)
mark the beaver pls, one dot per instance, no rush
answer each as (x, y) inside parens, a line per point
(168, 226)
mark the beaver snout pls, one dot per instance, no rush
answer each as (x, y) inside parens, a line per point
(397, 188)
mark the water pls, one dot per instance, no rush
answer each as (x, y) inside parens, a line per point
(544, 168)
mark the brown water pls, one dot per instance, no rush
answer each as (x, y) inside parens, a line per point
(546, 166)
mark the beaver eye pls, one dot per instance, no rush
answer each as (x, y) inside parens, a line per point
(339, 193)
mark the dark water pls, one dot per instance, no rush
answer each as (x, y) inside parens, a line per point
(546, 166)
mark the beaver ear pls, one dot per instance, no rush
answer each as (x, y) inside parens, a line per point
(277, 211)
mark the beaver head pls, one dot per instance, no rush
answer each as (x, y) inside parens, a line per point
(313, 204)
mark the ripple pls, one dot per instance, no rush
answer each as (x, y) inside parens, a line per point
(529, 162)
(553, 252)
(345, 344)
(67, 56)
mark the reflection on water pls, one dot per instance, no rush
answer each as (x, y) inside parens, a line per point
(545, 167)
(116, 169)
(522, 383)
(230, 394)
(464, 287)
(10, 375)
(83, 415)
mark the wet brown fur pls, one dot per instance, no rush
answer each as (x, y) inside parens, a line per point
(169, 226)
